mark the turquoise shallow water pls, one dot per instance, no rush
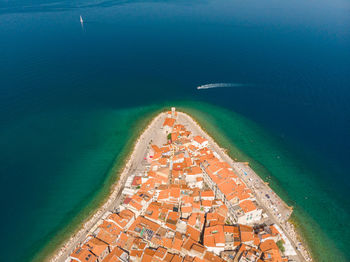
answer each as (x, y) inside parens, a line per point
(69, 184)
(284, 169)
(72, 100)
(289, 174)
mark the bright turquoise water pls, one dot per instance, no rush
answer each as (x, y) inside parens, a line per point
(72, 100)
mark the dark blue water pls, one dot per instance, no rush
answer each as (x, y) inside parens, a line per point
(69, 95)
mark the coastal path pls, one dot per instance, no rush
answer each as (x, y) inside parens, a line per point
(135, 164)
(276, 209)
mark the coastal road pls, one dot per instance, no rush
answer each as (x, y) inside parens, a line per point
(134, 165)
(280, 211)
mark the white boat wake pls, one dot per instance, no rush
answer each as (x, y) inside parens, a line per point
(82, 23)
(217, 85)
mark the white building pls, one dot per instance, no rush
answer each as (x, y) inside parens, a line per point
(251, 214)
(168, 125)
(200, 142)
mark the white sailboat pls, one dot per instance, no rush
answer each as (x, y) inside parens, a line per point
(81, 20)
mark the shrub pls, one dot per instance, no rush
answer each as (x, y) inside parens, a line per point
(280, 245)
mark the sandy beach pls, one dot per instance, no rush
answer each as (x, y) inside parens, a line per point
(279, 212)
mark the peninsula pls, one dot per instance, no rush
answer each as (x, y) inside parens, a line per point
(179, 198)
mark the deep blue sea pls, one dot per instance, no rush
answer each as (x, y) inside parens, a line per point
(73, 97)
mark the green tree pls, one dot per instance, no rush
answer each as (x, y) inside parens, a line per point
(280, 245)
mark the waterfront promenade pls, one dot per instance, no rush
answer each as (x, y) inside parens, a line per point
(133, 165)
(277, 211)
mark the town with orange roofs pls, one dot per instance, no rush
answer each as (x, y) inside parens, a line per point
(187, 204)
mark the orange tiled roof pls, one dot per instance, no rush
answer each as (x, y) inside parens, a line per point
(186, 209)
(247, 206)
(193, 233)
(114, 255)
(177, 244)
(270, 251)
(215, 233)
(141, 223)
(199, 139)
(207, 193)
(107, 237)
(207, 203)
(96, 246)
(161, 252)
(231, 230)
(83, 254)
(267, 245)
(247, 236)
(136, 253)
(169, 122)
(274, 231)
(210, 257)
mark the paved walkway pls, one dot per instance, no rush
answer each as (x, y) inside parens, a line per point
(276, 209)
(273, 205)
(134, 165)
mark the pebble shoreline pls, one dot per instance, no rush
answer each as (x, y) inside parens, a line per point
(72, 242)
(288, 227)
